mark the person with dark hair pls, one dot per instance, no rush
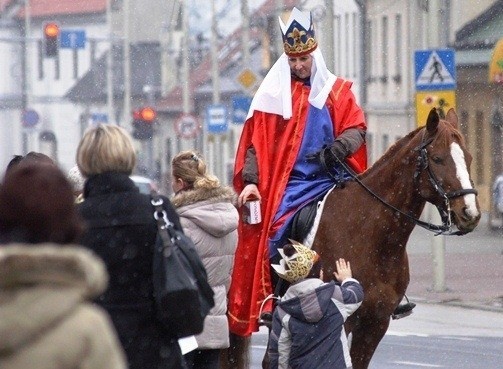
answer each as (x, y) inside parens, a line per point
(122, 230)
(32, 156)
(34, 206)
(13, 162)
(310, 316)
(47, 282)
(209, 217)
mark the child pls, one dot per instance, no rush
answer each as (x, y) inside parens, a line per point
(307, 329)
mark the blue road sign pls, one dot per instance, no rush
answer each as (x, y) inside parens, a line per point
(435, 70)
(30, 118)
(72, 39)
(97, 118)
(216, 118)
(240, 107)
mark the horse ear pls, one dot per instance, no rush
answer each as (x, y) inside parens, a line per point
(452, 118)
(432, 121)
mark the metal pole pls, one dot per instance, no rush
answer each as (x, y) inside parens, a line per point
(278, 39)
(438, 254)
(363, 51)
(26, 74)
(27, 34)
(245, 21)
(437, 242)
(127, 65)
(245, 40)
(218, 150)
(110, 89)
(185, 59)
(148, 146)
(214, 55)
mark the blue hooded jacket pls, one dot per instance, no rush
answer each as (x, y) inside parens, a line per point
(307, 329)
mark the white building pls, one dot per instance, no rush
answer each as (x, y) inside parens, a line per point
(50, 81)
(396, 30)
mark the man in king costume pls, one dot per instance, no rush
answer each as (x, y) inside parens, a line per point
(301, 112)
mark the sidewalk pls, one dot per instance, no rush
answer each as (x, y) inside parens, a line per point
(473, 274)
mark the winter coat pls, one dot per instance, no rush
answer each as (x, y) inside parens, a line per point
(122, 231)
(47, 320)
(210, 219)
(308, 325)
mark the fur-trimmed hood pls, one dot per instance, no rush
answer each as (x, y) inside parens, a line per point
(212, 195)
(40, 285)
(212, 210)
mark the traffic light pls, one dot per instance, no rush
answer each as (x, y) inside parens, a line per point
(51, 40)
(143, 123)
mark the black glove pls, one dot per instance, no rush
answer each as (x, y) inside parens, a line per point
(328, 155)
(338, 150)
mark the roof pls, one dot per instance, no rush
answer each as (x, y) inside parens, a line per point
(44, 8)
(6, 3)
(483, 31)
(145, 70)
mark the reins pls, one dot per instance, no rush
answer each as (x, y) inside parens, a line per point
(422, 163)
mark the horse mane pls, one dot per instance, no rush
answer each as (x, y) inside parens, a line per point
(392, 151)
(446, 133)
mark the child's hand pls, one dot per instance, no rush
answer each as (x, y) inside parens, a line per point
(343, 270)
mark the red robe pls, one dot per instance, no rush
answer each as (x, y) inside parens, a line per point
(277, 142)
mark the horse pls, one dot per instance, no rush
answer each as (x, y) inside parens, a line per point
(368, 221)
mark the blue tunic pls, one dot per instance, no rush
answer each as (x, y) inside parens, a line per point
(308, 179)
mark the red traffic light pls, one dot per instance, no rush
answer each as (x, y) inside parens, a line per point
(51, 30)
(146, 114)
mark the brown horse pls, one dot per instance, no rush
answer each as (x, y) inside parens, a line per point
(431, 164)
(369, 220)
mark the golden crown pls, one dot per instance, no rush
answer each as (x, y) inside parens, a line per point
(298, 34)
(296, 267)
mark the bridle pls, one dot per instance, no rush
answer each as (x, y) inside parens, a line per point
(422, 164)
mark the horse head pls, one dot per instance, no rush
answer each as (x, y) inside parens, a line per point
(443, 172)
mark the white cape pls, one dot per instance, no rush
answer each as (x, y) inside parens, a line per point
(275, 96)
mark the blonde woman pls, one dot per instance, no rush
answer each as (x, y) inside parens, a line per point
(121, 229)
(209, 217)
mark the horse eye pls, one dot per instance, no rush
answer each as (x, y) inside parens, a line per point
(436, 159)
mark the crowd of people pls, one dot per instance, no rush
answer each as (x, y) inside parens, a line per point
(76, 276)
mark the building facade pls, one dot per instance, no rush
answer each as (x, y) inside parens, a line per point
(396, 30)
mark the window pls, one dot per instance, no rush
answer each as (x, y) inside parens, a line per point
(347, 52)
(371, 41)
(338, 43)
(384, 50)
(398, 47)
(385, 142)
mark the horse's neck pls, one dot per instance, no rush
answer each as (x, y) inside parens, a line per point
(392, 179)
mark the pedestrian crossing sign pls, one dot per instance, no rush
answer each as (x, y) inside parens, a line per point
(435, 70)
